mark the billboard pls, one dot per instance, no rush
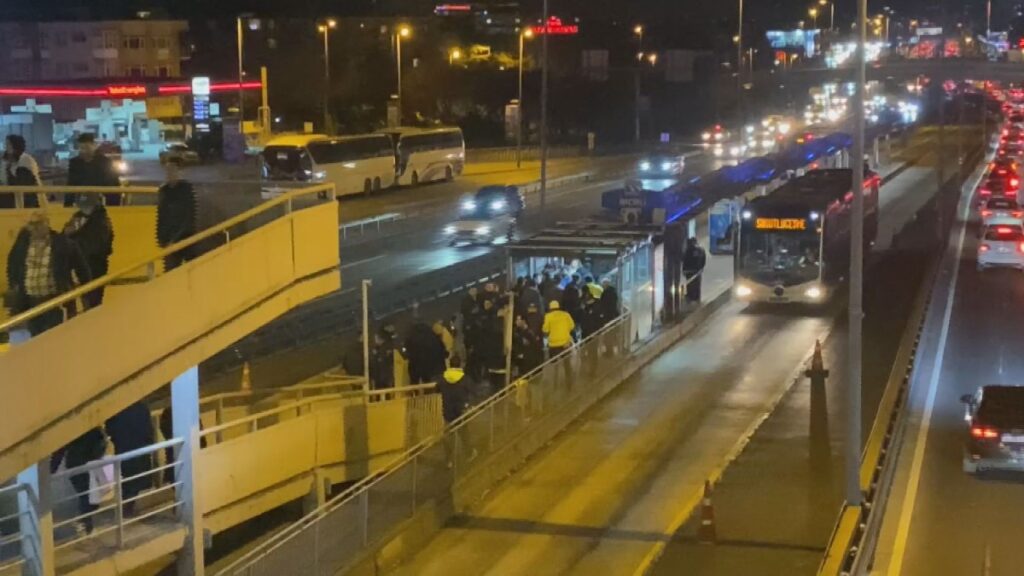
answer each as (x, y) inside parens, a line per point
(798, 39)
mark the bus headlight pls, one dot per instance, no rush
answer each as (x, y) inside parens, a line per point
(813, 292)
(742, 290)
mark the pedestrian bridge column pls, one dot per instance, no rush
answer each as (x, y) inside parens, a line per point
(185, 423)
(35, 506)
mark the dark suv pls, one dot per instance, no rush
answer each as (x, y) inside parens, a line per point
(995, 438)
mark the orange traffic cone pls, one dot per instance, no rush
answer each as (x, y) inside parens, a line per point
(817, 372)
(706, 530)
(246, 383)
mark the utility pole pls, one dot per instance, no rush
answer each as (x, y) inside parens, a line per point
(639, 31)
(856, 310)
(544, 115)
(241, 78)
(739, 63)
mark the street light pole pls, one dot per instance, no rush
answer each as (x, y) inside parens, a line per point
(398, 69)
(325, 29)
(639, 31)
(241, 77)
(739, 62)
(856, 306)
(988, 19)
(544, 114)
(523, 35)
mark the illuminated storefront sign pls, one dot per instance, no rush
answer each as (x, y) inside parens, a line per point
(780, 224)
(120, 90)
(555, 27)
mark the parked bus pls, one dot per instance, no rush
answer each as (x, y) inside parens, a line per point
(427, 154)
(354, 164)
(794, 244)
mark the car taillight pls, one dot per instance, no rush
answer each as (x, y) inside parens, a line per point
(1014, 182)
(1017, 213)
(986, 213)
(984, 248)
(1005, 131)
(985, 192)
(984, 432)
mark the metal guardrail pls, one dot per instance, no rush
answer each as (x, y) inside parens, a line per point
(348, 228)
(117, 503)
(854, 537)
(334, 536)
(529, 153)
(152, 265)
(46, 196)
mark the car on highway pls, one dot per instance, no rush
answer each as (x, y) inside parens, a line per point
(495, 200)
(1010, 150)
(661, 165)
(1001, 210)
(995, 432)
(1001, 245)
(715, 135)
(1012, 134)
(998, 188)
(181, 152)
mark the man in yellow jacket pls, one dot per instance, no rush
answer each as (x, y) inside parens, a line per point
(558, 327)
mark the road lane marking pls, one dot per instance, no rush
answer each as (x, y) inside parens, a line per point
(921, 441)
(363, 261)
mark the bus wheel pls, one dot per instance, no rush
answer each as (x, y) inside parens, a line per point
(415, 178)
(376, 184)
(367, 186)
(448, 175)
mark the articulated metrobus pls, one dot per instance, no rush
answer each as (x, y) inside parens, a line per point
(427, 154)
(354, 164)
(794, 244)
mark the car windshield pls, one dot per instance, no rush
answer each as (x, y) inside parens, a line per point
(1001, 204)
(786, 258)
(490, 193)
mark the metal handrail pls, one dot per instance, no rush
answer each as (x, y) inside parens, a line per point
(364, 485)
(144, 451)
(222, 228)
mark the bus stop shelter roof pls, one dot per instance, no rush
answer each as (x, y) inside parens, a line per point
(606, 239)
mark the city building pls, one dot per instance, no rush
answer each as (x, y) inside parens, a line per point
(69, 51)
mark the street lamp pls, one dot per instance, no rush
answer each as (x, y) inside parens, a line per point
(638, 30)
(402, 32)
(652, 58)
(831, 12)
(241, 71)
(453, 55)
(814, 18)
(739, 60)
(325, 28)
(524, 35)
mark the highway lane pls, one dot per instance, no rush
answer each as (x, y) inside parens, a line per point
(941, 520)
(598, 497)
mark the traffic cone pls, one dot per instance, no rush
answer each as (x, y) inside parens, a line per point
(246, 383)
(706, 530)
(817, 372)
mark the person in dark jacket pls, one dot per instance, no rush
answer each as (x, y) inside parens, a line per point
(131, 429)
(572, 303)
(694, 260)
(88, 447)
(491, 346)
(167, 431)
(20, 169)
(454, 387)
(426, 354)
(527, 347)
(382, 362)
(608, 305)
(91, 231)
(42, 265)
(175, 214)
(92, 168)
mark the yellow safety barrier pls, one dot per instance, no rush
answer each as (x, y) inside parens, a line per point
(272, 259)
(134, 221)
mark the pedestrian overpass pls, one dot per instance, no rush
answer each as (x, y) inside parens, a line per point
(153, 328)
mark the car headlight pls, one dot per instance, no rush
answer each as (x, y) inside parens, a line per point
(449, 229)
(743, 291)
(735, 151)
(498, 205)
(718, 151)
(319, 176)
(813, 292)
(666, 166)
(767, 143)
(645, 166)
(783, 128)
(705, 136)
(469, 205)
(483, 230)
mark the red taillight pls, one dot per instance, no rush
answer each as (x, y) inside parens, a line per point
(986, 213)
(1003, 230)
(1005, 131)
(983, 248)
(985, 192)
(984, 432)
(1017, 213)
(1014, 182)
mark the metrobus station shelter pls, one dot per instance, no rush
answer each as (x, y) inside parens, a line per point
(627, 257)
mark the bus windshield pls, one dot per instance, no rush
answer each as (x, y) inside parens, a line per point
(286, 163)
(774, 258)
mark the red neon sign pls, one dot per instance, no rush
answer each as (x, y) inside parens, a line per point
(220, 87)
(131, 90)
(441, 9)
(555, 27)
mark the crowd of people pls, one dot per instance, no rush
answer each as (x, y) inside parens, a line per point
(45, 263)
(466, 356)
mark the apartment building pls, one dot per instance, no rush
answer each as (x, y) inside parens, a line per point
(76, 51)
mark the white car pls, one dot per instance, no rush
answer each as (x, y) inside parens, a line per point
(1001, 210)
(1001, 245)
